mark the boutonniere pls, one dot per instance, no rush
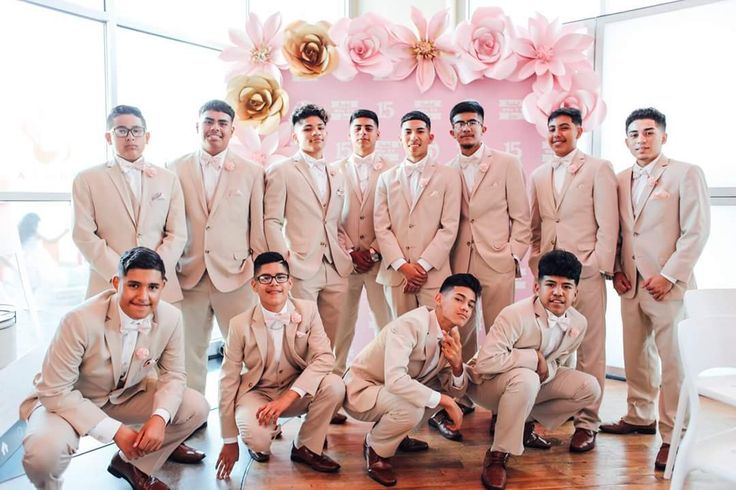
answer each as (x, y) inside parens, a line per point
(332, 172)
(142, 353)
(150, 171)
(663, 194)
(652, 181)
(423, 182)
(340, 192)
(483, 167)
(573, 332)
(229, 166)
(378, 165)
(296, 317)
(157, 196)
(574, 167)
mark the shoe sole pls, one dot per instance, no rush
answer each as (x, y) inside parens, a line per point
(646, 431)
(384, 483)
(297, 459)
(581, 450)
(489, 486)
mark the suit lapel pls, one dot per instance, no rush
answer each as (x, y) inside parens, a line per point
(222, 183)
(542, 320)
(656, 174)
(258, 325)
(431, 346)
(303, 168)
(455, 163)
(143, 340)
(372, 179)
(626, 194)
(577, 161)
(404, 185)
(350, 171)
(195, 175)
(113, 337)
(480, 175)
(118, 179)
(427, 173)
(290, 336)
(145, 202)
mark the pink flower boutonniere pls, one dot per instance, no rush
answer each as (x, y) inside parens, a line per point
(229, 166)
(378, 166)
(150, 171)
(652, 182)
(573, 168)
(142, 353)
(332, 172)
(573, 332)
(296, 317)
(423, 182)
(483, 167)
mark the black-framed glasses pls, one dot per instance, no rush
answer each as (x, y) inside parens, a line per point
(470, 123)
(123, 132)
(268, 278)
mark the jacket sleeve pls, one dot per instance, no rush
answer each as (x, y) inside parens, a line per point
(172, 378)
(274, 204)
(389, 245)
(498, 354)
(320, 359)
(518, 208)
(605, 207)
(175, 228)
(400, 342)
(232, 364)
(257, 237)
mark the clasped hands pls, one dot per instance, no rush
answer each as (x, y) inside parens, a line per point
(658, 286)
(415, 276)
(135, 444)
(362, 261)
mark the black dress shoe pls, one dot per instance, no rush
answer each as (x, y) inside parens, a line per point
(440, 421)
(186, 455)
(466, 409)
(338, 419)
(258, 457)
(137, 479)
(409, 445)
(318, 462)
(380, 469)
(534, 440)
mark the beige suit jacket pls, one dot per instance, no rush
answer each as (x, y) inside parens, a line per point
(306, 346)
(399, 359)
(425, 229)
(357, 214)
(494, 215)
(297, 224)
(515, 337)
(225, 237)
(667, 232)
(582, 220)
(106, 223)
(80, 372)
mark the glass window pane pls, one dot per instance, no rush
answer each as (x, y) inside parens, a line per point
(521, 10)
(613, 6)
(55, 100)
(168, 81)
(399, 11)
(196, 21)
(712, 271)
(291, 10)
(647, 61)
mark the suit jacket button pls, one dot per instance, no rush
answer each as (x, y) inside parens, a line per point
(633, 257)
(323, 244)
(636, 233)
(362, 217)
(557, 220)
(362, 236)
(139, 235)
(468, 243)
(207, 227)
(206, 251)
(472, 220)
(411, 226)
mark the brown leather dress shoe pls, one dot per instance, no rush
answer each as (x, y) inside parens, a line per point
(660, 463)
(318, 462)
(380, 469)
(440, 421)
(186, 455)
(494, 470)
(534, 440)
(409, 445)
(622, 427)
(137, 479)
(258, 457)
(583, 440)
(338, 419)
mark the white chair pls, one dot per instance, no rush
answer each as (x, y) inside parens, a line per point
(704, 343)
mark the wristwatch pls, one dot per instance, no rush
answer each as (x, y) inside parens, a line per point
(375, 256)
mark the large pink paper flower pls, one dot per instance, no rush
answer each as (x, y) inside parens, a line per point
(551, 51)
(583, 95)
(484, 45)
(431, 53)
(360, 42)
(258, 49)
(263, 151)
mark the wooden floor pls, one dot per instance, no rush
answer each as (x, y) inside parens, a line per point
(617, 462)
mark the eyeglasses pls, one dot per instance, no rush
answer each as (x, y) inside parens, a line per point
(268, 278)
(123, 132)
(471, 123)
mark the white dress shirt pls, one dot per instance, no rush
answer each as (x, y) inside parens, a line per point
(640, 179)
(362, 167)
(469, 165)
(318, 170)
(560, 168)
(556, 328)
(211, 169)
(133, 173)
(106, 429)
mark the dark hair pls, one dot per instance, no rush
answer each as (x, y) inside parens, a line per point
(303, 111)
(269, 258)
(219, 106)
(647, 113)
(461, 280)
(467, 106)
(571, 112)
(28, 227)
(364, 113)
(560, 263)
(120, 110)
(140, 258)
(416, 116)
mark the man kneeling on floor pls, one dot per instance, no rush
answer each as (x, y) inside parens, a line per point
(412, 367)
(519, 372)
(99, 376)
(289, 361)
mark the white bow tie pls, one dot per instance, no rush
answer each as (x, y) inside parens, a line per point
(638, 171)
(137, 165)
(208, 160)
(141, 326)
(358, 161)
(556, 162)
(412, 169)
(559, 321)
(465, 161)
(278, 320)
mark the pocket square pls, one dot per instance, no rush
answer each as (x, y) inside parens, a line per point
(663, 194)
(157, 197)
(236, 192)
(434, 193)
(300, 334)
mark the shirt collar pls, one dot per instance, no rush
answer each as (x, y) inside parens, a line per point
(270, 317)
(314, 162)
(127, 323)
(475, 158)
(358, 160)
(126, 166)
(566, 160)
(415, 167)
(646, 169)
(216, 160)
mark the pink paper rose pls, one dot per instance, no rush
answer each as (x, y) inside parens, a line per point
(361, 43)
(150, 170)
(484, 46)
(296, 317)
(229, 166)
(573, 332)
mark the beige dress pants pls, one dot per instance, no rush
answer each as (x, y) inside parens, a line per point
(200, 306)
(517, 396)
(50, 441)
(650, 337)
(401, 302)
(327, 399)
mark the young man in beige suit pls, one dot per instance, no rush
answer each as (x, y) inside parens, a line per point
(116, 361)
(574, 208)
(494, 232)
(520, 373)
(665, 222)
(127, 202)
(289, 362)
(223, 198)
(416, 216)
(303, 206)
(413, 366)
(360, 173)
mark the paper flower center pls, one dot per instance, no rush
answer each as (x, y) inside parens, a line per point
(261, 54)
(544, 54)
(426, 50)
